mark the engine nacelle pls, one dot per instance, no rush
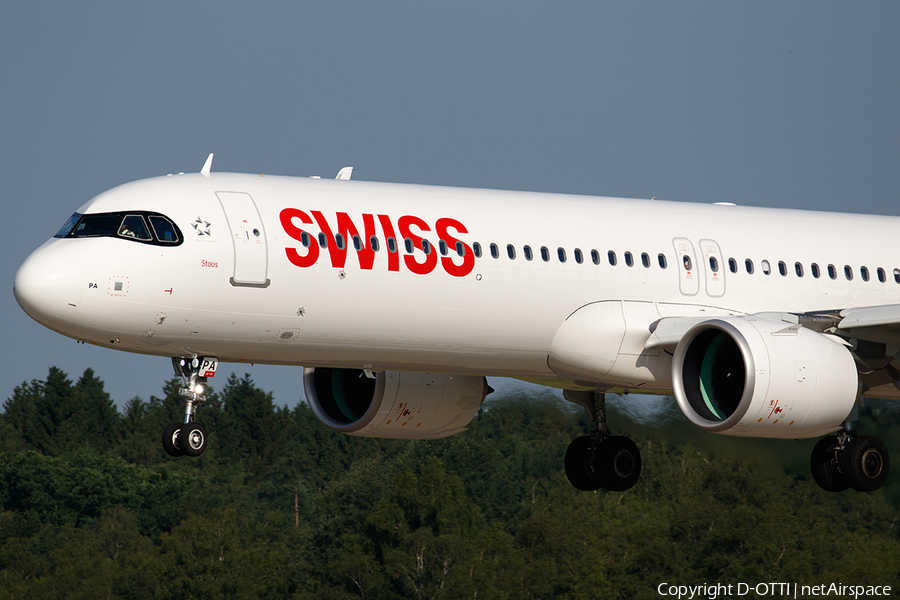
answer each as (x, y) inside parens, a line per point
(393, 404)
(760, 378)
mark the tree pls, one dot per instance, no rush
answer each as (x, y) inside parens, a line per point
(250, 428)
(53, 416)
(95, 419)
(423, 529)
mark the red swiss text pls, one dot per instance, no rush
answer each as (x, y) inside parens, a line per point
(342, 234)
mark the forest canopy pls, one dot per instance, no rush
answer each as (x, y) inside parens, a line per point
(279, 506)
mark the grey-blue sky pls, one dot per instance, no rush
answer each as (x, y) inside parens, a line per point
(767, 103)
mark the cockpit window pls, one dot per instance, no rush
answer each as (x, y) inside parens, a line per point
(133, 226)
(96, 225)
(166, 232)
(69, 226)
(129, 226)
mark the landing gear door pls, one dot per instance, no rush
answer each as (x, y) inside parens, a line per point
(248, 237)
(715, 268)
(687, 267)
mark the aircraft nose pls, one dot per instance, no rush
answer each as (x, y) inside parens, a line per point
(48, 285)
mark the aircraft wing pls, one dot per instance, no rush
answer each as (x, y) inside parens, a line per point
(879, 324)
(874, 323)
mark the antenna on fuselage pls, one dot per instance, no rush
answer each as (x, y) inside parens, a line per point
(207, 166)
(345, 173)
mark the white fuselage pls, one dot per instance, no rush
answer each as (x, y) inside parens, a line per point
(242, 286)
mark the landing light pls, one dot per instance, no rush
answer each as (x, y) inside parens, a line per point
(199, 389)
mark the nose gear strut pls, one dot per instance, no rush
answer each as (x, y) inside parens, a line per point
(189, 437)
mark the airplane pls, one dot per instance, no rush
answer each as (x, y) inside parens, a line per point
(398, 301)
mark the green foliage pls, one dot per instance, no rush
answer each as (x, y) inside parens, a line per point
(54, 416)
(78, 488)
(281, 507)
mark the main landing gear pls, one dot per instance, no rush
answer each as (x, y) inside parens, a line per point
(847, 460)
(600, 460)
(188, 438)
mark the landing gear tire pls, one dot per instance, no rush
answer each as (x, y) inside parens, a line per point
(170, 439)
(579, 468)
(865, 463)
(824, 466)
(600, 460)
(192, 439)
(618, 462)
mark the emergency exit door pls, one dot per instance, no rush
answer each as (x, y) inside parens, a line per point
(688, 269)
(715, 268)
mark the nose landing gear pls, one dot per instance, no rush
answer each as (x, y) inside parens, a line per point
(188, 438)
(600, 460)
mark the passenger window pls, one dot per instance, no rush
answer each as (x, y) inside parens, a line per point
(881, 275)
(748, 265)
(357, 243)
(766, 269)
(442, 247)
(476, 248)
(663, 263)
(629, 260)
(688, 265)
(460, 248)
(164, 229)
(545, 254)
(848, 272)
(527, 251)
(373, 243)
(896, 275)
(426, 246)
(782, 268)
(713, 264)
(732, 265)
(864, 273)
(408, 243)
(832, 272)
(323, 241)
(392, 244)
(611, 256)
(579, 257)
(511, 251)
(495, 251)
(814, 269)
(798, 269)
(339, 241)
(645, 260)
(561, 253)
(595, 257)
(304, 239)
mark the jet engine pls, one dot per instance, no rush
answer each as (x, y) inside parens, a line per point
(761, 378)
(393, 404)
